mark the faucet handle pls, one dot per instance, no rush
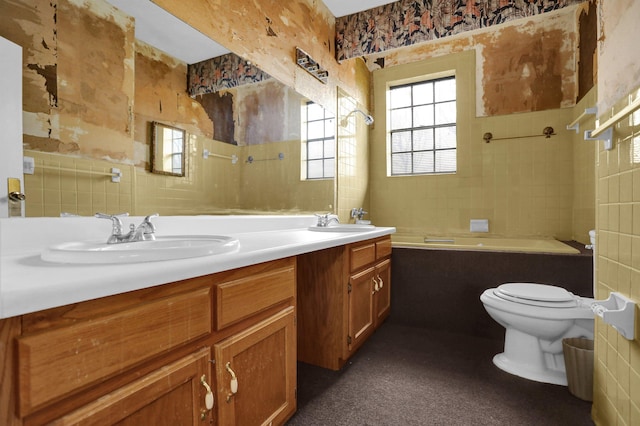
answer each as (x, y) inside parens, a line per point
(110, 216)
(147, 220)
(323, 219)
(148, 226)
(358, 212)
(115, 220)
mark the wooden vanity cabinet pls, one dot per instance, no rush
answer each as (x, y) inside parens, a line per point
(112, 356)
(141, 357)
(261, 357)
(343, 296)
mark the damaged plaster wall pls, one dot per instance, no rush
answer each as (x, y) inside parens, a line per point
(78, 77)
(254, 114)
(267, 112)
(96, 79)
(92, 87)
(219, 107)
(523, 66)
(40, 91)
(267, 34)
(621, 75)
(528, 67)
(160, 95)
(588, 43)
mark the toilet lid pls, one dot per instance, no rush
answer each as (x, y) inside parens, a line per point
(536, 294)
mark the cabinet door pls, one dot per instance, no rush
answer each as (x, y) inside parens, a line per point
(263, 361)
(360, 296)
(383, 293)
(172, 395)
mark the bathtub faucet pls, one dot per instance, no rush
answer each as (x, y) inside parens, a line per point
(358, 213)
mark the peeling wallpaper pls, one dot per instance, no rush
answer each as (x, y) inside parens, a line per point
(222, 72)
(407, 22)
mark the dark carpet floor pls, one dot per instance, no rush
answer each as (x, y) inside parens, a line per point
(413, 376)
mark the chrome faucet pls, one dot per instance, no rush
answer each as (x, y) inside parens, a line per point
(325, 219)
(143, 232)
(358, 213)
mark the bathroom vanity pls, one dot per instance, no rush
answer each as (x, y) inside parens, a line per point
(218, 347)
(344, 294)
(147, 355)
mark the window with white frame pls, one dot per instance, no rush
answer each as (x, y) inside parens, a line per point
(173, 145)
(319, 150)
(422, 127)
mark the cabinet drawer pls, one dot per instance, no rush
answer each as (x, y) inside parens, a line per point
(361, 255)
(169, 393)
(251, 293)
(383, 248)
(54, 363)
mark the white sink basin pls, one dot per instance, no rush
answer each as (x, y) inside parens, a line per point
(343, 227)
(162, 248)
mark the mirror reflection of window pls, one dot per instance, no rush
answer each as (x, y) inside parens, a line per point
(173, 143)
(167, 150)
(319, 150)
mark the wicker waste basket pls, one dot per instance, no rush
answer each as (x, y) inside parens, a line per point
(578, 359)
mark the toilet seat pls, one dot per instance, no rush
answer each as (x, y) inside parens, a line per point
(536, 295)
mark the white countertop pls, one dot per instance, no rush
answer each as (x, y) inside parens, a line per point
(29, 284)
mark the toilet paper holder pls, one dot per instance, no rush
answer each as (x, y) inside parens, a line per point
(619, 312)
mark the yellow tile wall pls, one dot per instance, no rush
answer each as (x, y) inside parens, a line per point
(52, 191)
(523, 186)
(617, 360)
(427, 204)
(211, 186)
(270, 185)
(174, 195)
(353, 158)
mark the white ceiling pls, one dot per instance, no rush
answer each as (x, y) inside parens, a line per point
(347, 7)
(164, 31)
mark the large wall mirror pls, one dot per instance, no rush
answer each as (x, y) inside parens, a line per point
(262, 117)
(167, 149)
(106, 117)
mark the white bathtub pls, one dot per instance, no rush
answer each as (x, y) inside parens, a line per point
(484, 244)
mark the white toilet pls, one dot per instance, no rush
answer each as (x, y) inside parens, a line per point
(537, 317)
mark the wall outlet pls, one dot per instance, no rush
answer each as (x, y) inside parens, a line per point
(479, 225)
